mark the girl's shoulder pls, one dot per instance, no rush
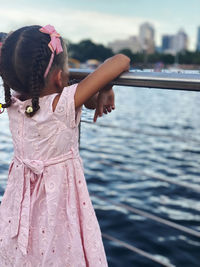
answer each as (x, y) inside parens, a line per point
(64, 105)
(54, 106)
(66, 96)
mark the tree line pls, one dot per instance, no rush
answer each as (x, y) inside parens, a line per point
(86, 49)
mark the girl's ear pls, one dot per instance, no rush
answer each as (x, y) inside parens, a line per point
(58, 78)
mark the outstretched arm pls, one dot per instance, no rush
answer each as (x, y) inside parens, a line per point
(98, 79)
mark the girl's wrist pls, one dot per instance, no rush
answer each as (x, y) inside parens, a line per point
(106, 88)
(92, 102)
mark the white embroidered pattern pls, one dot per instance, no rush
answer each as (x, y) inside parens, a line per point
(47, 219)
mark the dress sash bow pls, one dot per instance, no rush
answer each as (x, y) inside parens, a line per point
(20, 223)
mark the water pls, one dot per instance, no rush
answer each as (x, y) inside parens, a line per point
(156, 134)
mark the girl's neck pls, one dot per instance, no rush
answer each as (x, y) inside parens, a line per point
(50, 91)
(57, 80)
(44, 92)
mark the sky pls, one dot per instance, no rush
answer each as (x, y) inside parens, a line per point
(103, 21)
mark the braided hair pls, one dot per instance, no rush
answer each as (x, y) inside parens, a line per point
(24, 58)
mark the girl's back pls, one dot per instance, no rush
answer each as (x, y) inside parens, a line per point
(48, 134)
(47, 218)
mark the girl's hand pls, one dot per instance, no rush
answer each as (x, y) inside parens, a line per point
(105, 102)
(100, 77)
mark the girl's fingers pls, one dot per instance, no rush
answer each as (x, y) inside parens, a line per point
(105, 110)
(95, 116)
(109, 109)
(100, 109)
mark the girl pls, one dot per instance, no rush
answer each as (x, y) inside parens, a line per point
(47, 218)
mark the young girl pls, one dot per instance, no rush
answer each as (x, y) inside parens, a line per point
(46, 215)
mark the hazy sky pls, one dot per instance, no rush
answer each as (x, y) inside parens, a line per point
(103, 20)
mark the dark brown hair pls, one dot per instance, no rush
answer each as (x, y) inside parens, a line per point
(24, 58)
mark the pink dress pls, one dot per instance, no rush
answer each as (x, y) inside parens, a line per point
(46, 215)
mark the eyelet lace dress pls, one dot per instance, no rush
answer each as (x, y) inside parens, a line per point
(46, 215)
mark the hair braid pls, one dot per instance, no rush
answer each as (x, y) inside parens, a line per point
(7, 96)
(34, 91)
(37, 78)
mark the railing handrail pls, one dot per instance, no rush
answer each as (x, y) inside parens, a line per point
(162, 80)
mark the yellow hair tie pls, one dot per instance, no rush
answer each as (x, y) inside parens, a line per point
(1, 108)
(29, 109)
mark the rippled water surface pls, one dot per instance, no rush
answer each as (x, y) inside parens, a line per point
(154, 139)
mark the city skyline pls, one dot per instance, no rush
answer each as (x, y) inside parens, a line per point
(145, 41)
(198, 39)
(103, 21)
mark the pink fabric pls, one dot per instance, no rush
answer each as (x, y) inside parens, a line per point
(54, 44)
(47, 218)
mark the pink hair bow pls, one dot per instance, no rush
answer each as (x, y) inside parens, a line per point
(54, 44)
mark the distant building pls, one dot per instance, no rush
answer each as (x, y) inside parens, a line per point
(158, 49)
(198, 39)
(131, 43)
(168, 44)
(146, 38)
(172, 44)
(181, 41)
(2, 36)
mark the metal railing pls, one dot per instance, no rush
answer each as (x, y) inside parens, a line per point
(163, 80)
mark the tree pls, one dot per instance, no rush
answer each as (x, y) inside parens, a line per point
(127, 52)
(86, 49)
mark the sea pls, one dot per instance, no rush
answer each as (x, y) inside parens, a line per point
(142, 167)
